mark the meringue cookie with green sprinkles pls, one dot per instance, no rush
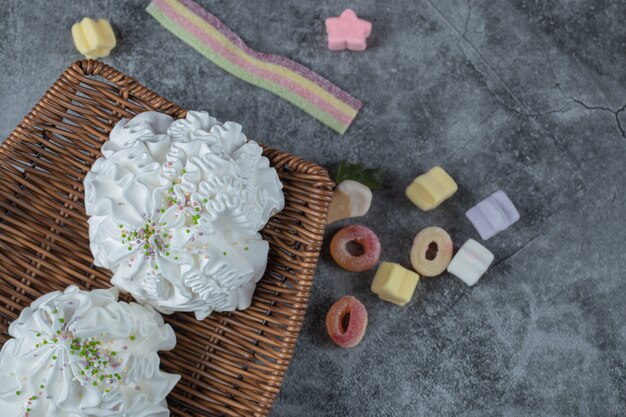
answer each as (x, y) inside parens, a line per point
(82, 354)
(175, 210)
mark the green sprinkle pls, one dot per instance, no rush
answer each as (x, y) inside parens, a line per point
(205, 200)
(82, 372)
(132, 338)
(54, 358)
(58, 331)
(162, 210)
(37, 345)
(113, 353)
(45, 342)
(94, 383)
(18, 392)
(123, 234)
(130, 248)
(176, 257)
(187, 231)
(33, 398)
(184, 171)
(225, 253)
(28, 410)
(42, 386)
(72, 351)
(197, 208)
(38, 335)
(121, 226)
(171, 190)
(167, 254)
(61, 320)
(55, 311)
(246, 248)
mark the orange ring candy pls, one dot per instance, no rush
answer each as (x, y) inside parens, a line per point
(350, 334)
(431, 251)
(361, 237)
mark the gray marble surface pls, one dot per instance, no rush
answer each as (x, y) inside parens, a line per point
(523, 95)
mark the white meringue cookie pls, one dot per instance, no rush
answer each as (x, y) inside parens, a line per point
(81, 354)
(176, 207)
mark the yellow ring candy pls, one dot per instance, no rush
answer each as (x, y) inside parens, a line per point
(431, 251)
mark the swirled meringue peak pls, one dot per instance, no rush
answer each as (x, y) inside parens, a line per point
(82, 354)
(176, 208)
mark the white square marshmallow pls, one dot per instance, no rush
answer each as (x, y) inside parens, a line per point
(470, 262)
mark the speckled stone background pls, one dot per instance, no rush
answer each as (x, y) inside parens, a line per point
(523, 95)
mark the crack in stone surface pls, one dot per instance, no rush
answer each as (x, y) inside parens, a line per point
(467, 19)
(516, 251)
(615, 113)
(448, 309)
(537, 235)
(526, 112)
(586, 106)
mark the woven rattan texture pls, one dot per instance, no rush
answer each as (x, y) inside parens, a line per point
(232, 364)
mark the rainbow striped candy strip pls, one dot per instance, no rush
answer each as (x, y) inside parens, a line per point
(287, 79)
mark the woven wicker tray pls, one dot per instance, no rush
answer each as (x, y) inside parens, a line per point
(231, 364)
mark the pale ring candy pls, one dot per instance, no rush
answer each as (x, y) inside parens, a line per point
(431, 251)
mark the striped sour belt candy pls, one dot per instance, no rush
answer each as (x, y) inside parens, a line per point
(280, 75)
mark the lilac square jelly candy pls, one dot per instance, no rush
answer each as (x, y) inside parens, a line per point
(493, 215)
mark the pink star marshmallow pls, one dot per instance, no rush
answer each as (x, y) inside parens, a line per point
(347, 32)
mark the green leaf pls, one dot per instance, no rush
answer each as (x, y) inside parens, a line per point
(373, 178)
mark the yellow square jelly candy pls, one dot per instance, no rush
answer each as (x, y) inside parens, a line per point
(394, 283)
(92, 38)
(431, 189)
